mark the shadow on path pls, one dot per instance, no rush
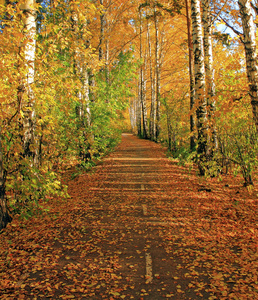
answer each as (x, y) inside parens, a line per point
(139, 227)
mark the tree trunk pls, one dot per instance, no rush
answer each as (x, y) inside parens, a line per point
(152, 128)
(107, 42)
(143, 87)
(132, 114)
(86, 95)
(139, 112)
(29, 118)
(144, 107)
(107, 62)
(199, 72)
(209, 70)
(81, 71)
(251, 55)
(191, 76)
(171, 133)
(157, 69)
(5, 218)
(101, 38)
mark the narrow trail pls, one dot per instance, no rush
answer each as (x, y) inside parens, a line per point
(137, 227)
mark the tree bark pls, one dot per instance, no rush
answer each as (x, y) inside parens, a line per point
(139, 112)
(199, 72)
(132, 113)
(191, 76)
(29, 118)
(5, 218)
(81, 71)
(209, 70)
(142, 93)
(157, 69)
(101, 38)
(152, 128)
(107, 62)
(250, 53)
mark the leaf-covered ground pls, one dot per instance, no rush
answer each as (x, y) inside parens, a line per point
(138, 226)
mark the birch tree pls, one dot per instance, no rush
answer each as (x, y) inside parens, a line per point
(209, 71)
(25, 101)
(251, 55)
(157, 73)
(152, 127)
(142, 85)
(132, 113)
(139, 112)
(191, 75)
(26, 90)
(199, 72)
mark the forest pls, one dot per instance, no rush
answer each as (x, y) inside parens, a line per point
(75, 74)
(128, 142)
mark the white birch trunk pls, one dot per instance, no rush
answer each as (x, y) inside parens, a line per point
(199, 71)
(251, 55)
(152, 82)
(139, 111)
(191, 75)
(86, 95)
(143, 87)
(132, 114)
(210, 72)
(29, 55)
(157, 69)
(144, 107)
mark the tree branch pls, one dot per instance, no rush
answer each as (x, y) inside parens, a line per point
(240, 34)
(255, 8)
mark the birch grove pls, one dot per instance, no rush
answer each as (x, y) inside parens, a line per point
(75, 74)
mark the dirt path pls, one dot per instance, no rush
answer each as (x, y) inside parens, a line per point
(131, 180)
(139, 227)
